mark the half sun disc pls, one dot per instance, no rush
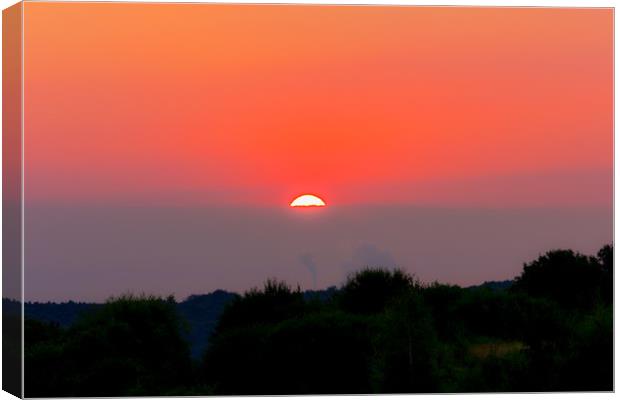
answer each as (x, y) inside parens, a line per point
(308, 200)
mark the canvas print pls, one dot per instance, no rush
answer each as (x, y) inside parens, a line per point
(269, 199)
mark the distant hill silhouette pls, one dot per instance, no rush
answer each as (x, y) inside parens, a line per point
(494, 285)
(64, 314)
(201, 312)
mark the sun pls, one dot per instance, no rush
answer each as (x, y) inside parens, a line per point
(308, 200)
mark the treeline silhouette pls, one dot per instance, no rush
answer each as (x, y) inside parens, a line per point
(382, 331)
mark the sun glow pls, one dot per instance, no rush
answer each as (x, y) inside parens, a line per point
(308, 200)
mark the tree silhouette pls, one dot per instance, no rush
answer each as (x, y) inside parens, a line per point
(606, 259)
(408, 348)
(275, 302)
(380, 332)
(571, 279)
(371, 290)
(130, 346)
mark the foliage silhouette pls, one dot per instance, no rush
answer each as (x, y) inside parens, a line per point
(382, 331)
(371, 290)
(407, 358)
(571, 279)
(130, 346)
(276, 302)
(606, 259)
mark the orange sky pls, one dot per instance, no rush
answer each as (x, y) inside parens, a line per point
(253, 104)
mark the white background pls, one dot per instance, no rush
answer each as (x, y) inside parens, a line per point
(591, 3)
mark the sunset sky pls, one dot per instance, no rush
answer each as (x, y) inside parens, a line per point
(203, 107)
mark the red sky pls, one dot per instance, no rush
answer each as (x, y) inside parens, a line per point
(253, 104)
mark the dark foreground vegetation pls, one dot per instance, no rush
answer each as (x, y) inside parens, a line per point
(381, 332)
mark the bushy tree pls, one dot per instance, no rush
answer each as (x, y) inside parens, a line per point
(275, 302)
(572, 279)
(588, 358)
(372, 289)
(321, 352)
(407, 348)
(44, 349)
(569, 347)
(443, 302)
(606, 259)
(236, 357)
(130, 346)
